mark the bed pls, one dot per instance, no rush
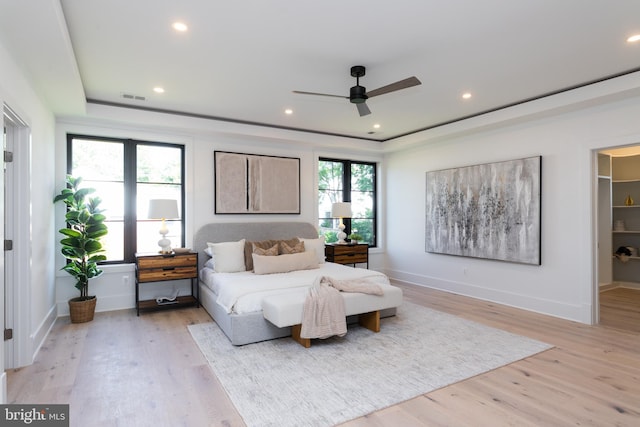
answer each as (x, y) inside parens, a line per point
(242, 320)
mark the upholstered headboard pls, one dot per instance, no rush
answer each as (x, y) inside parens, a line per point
(217, 232)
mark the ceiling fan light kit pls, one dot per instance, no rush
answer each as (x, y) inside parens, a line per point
(358, 94)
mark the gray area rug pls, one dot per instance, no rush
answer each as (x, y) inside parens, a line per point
(280, 383)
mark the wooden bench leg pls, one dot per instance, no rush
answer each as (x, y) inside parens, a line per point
(370, 321)
(295, 334)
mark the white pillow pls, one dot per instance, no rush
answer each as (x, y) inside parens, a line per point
(228, 257)
(315, 245)
(265, 264)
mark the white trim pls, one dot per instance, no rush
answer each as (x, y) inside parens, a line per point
(536, 305)
(616, 285)
(38, 337)
(21, 221)
(3, 387)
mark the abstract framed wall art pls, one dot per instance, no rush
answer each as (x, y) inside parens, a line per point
(489, 211)
(256, 184)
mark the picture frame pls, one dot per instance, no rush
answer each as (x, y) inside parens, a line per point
(490, 211)
(256, 184)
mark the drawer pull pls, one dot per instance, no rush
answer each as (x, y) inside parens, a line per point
(168, 268)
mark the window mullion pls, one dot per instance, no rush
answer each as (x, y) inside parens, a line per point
(346, 192)
(130, 190)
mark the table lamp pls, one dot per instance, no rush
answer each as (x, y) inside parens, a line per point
(341, 210)
(163, 209)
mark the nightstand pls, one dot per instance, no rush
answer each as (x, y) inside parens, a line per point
(162, 267)
(347, 254)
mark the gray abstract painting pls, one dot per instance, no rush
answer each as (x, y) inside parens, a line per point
(486, 211)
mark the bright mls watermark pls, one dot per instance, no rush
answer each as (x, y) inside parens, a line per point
(34, 415)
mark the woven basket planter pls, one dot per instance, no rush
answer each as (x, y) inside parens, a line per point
(82, 311)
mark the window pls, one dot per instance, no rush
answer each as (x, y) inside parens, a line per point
(126, 175)
(348, 181)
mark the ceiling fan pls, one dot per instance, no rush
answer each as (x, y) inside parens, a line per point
(358, 94)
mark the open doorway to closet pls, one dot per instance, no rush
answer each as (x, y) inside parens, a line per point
(619, 237)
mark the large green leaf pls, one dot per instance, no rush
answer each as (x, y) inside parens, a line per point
(73, 269)
(70, 232)
(70, 253)
(83, 216)
(92, 228)
(65, 195)
(96, 218)
(97, 234)
(72, 216)
(92, 245)
(82, 193)
(73, 242)
(98, 258)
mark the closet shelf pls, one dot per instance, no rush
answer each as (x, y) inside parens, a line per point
(632, 258)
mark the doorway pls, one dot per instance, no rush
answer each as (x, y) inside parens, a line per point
(618, 218)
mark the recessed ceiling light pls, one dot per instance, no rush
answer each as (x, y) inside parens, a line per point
(376, 126)
(466, 95)
(158, 89)
(180, 26)
(288, 111)
(634, 38)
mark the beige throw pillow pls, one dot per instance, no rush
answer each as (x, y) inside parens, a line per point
(284, 263)
(264, 244)
(286, 248)
(248, 251)
(272, 251)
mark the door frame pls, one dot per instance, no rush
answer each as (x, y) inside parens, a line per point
(19, 216)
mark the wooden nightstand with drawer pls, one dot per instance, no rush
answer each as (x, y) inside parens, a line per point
(357, 253)
(162, 267)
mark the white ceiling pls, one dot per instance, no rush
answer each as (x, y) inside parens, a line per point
(241, 60)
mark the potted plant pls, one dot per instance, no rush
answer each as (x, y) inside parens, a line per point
(355, 237)
(81, 244)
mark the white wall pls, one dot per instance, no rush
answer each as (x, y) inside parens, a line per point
(563, 130)
(36, 311)
(115, 289)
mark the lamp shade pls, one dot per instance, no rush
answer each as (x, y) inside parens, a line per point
(341, 210)
(163, 209)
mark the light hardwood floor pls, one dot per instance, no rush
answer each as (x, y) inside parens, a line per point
(123, 370)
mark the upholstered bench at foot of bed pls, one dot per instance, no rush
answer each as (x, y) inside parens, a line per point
(286, 309)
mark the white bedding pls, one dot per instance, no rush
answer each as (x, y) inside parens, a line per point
(243, 292)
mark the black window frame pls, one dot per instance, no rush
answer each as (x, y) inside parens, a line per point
(130, 188)
(346, 192)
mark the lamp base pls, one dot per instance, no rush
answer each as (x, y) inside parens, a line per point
(165, 245)
(341, 235)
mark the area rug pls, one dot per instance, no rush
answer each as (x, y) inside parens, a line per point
(280, 383)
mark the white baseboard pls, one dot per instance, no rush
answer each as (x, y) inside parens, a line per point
(3, 384)
(41, 333)
(615, 285)
(104, 303)
(577, 312)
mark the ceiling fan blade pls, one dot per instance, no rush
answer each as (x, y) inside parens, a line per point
(363, 109)
(402, 84)
(320, 94)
